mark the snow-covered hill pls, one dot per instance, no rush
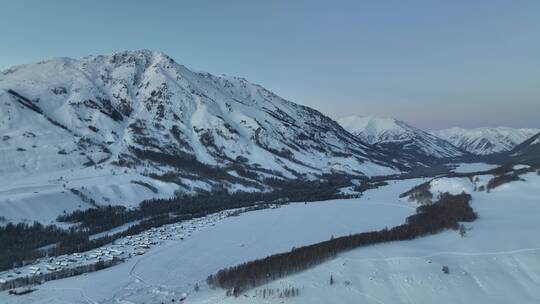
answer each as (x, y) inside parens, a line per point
(398, 136)
(106, 125)
(484, 141)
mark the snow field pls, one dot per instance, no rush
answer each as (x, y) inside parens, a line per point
(498, 261)
(175, 266)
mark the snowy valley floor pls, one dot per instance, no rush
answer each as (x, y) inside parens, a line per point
(498, 261)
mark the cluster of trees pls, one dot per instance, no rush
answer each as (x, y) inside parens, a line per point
(146, 185)
(264, 293)
(100, 219)
(501, 180)
(367, 185)
(18, 242)
(429, 219)
(23, 243)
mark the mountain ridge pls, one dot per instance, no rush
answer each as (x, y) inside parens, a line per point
(393, 134)
(486, 140)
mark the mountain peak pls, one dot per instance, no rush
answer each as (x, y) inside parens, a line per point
(397, 135)
(130, 55)
(373, 129)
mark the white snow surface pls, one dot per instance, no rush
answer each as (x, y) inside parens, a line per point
(498, 261)
(483, 141)
(472, 167)
(451, 185)
(520, 166)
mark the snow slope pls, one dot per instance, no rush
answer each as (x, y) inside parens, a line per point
(399, 136)
(498, 261)
(141, 114)
(528, 151)
(484, 141)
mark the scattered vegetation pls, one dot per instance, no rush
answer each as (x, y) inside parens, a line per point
(146, 185)
(84, 197)
(419, 193)
(445, 269)
(367, 185)
(462, 230)
(288, 292)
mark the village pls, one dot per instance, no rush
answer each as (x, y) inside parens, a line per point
(51, 268)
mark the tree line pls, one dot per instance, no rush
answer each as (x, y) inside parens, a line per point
(446, 213)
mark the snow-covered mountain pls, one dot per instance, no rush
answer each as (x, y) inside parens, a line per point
(104, 125)
(528, 151)
(395, 135)
(484, 141)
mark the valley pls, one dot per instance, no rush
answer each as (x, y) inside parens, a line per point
(184, 254)
(216, 242)
(130, 178)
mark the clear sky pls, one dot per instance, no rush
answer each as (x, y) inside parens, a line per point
(434, 64)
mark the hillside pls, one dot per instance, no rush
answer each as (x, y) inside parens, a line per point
(527, 152)
(117, 129)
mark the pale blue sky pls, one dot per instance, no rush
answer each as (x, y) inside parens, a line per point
(434, 64)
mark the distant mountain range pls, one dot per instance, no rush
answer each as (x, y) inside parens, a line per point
(449, 143)
(484, 141)
(394, 135)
